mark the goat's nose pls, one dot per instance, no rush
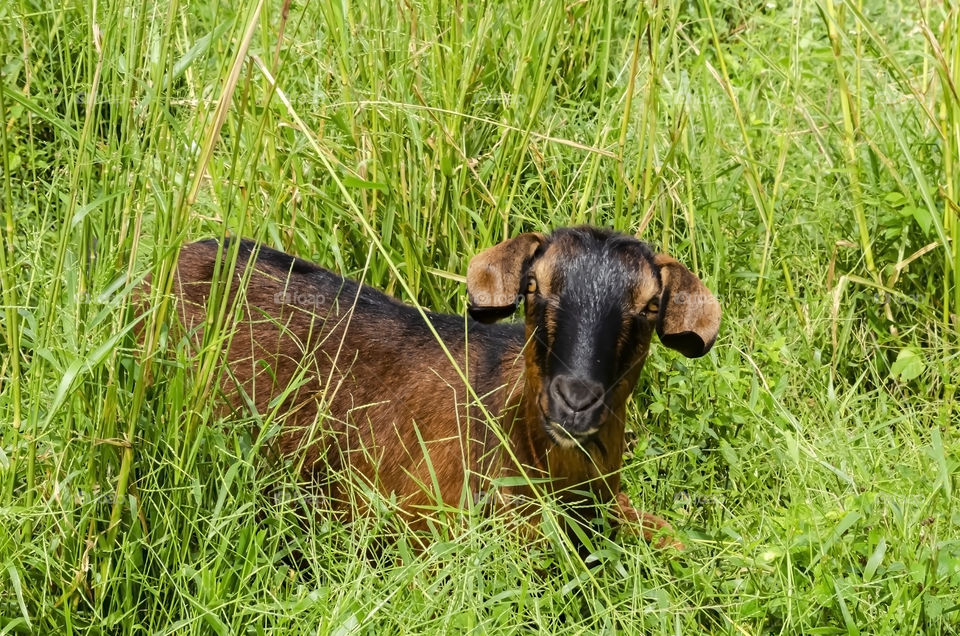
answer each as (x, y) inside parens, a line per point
(576, 394)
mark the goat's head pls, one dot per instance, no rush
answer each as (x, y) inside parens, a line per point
(593, 299)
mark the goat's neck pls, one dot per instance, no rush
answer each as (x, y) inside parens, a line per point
(596, 466)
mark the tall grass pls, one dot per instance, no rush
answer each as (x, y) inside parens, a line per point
(804, 159)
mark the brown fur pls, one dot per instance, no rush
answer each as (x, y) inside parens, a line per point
(358, 381)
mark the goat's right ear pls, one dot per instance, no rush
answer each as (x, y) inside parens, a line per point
(495, 275)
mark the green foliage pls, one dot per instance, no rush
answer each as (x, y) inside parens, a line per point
(803, 158)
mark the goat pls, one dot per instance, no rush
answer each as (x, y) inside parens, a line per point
(361, 382)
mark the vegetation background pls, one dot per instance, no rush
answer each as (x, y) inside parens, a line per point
(802, 157)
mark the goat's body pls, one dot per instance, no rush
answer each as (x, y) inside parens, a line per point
(359, 382)
(431, 409)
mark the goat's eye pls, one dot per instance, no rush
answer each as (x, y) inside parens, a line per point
(531, 285)
(653, 307)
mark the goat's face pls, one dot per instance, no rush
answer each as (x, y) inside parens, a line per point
(593, 299)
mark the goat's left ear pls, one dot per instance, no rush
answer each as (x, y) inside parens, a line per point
(689, 315)
(494, 276)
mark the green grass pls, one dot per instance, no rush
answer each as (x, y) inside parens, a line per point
(803, 158)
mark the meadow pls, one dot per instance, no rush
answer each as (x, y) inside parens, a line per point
(803, 158)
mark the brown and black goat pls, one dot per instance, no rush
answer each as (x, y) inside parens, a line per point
(360, 382)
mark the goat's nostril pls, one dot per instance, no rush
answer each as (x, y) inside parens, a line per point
(576, 393)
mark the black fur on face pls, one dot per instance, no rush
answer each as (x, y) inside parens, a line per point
(590, 311)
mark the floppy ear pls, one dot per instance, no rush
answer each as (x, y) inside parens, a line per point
(689, 314)
(494, 276)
